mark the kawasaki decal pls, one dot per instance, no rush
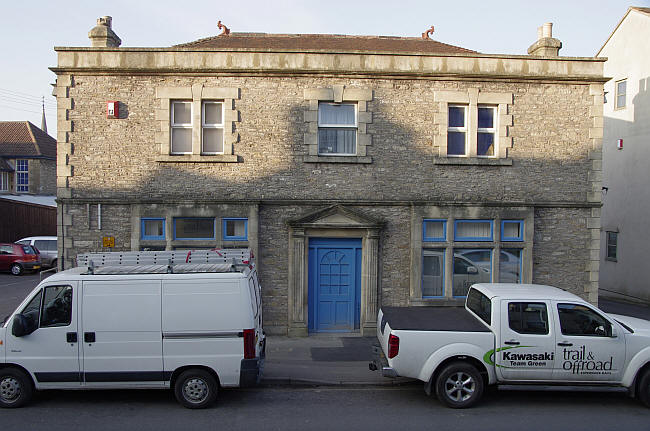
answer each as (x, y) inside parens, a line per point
(518, 359)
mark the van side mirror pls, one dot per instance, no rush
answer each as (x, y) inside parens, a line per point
(472, 270)
(22, 326)
(614, 332)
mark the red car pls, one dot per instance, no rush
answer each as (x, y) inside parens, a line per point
(19, 258)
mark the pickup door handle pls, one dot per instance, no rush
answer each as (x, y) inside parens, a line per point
(71, 337)
(89, 337)
(511, 343)
(565, 344)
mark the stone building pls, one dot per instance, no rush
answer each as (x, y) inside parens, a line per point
(362, 170)
(626, 158)
(27, 159)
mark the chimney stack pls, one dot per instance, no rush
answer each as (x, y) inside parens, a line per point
(546, 45)
(102, 34)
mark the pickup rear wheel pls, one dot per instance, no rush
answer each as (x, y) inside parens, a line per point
(15, 388)
(644, 388)
(195, 389)
(459, 385)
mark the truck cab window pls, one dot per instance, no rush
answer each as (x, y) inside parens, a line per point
(480, 305)
(580, 320)
(528, 317)
(57, 306)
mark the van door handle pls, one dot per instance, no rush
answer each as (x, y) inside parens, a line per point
(511, 343)
(89, 337)
(71, 337)
(565, 344)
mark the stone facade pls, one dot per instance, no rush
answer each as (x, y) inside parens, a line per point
(546, 171)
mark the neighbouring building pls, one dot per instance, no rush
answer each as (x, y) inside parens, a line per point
(27, 159)
(361, 170)
(626, 157)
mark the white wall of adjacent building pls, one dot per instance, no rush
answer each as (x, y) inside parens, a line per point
(626, 171)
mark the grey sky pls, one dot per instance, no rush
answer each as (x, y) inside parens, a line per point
(30, 29)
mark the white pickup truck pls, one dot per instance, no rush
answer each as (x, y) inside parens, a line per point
(514, 334)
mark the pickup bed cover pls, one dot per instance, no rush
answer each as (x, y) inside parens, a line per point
(432, 319)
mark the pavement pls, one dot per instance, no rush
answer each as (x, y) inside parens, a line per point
(322, 360)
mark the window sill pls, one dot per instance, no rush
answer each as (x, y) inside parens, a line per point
(471, 161)
(611, 259)
(337, 159)
(439, 302)
(197, 158)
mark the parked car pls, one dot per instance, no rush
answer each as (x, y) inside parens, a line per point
(509, 334)
(194, 328)
(46, 246)
(19, 258)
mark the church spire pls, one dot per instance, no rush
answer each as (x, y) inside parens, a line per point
(43, 122)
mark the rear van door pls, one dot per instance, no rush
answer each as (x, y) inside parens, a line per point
(121, 335)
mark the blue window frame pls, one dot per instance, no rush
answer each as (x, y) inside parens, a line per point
(512, 230)
(152, 228)
(473, 230)
(434, 230)
(194, 228)
(235, 229)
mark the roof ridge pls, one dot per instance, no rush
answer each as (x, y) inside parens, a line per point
(34, 140)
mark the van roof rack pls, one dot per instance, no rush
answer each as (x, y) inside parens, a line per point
(167, 262)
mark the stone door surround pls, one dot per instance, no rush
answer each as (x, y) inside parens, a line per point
(335, 221)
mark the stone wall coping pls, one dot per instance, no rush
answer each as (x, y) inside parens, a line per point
(183, 60)
(320, 202)
(317, 51)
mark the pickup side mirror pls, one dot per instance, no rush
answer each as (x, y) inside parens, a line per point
(22, 326)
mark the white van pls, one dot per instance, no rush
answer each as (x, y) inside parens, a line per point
(191, 327)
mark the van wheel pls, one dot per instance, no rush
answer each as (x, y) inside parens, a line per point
(15, 388)
(195, 389)
(643, 390)
(459, 385)
(16, 269)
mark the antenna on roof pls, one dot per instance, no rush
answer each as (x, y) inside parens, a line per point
(225, 31)
(426, 34)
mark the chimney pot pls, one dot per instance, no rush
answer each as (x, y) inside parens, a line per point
(102, 35)
(545, 45)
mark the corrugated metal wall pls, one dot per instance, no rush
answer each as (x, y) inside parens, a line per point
(20, 219)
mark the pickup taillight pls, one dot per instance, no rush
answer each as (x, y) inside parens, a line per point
(393, 346)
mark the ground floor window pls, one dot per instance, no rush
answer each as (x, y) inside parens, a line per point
(22, 175)
(194, 228)
(460, 252)
(433, 268)
(471, 266)
(612, 246)
(235, 229)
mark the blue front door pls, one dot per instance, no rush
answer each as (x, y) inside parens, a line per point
(334, 284)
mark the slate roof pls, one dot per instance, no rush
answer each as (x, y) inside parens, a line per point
(326, 42)
(23, 139)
